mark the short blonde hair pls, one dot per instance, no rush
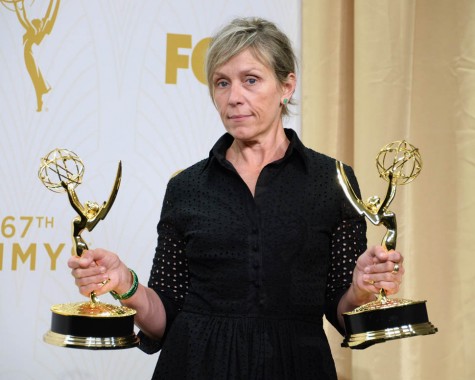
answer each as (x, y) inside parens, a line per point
(269, 44)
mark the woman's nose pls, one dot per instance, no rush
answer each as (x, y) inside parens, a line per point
(235, 94)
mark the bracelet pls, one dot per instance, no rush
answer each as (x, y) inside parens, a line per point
(130, 292)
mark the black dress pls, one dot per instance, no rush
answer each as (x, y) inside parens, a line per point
(246, 280)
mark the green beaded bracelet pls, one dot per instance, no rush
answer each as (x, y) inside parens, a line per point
(130, 292)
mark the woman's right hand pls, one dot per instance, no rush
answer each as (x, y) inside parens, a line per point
(99, 271)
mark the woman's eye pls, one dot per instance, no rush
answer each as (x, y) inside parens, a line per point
(221, 83)
(251, 80)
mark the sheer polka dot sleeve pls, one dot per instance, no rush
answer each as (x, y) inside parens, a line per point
(348, 242)
(169, 275)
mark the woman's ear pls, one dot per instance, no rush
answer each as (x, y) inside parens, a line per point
(289, 86)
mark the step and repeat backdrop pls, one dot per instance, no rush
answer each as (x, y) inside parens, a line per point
(111, 80)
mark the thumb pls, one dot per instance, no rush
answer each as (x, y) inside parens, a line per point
(87, 259)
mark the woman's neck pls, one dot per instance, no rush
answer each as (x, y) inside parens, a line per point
(259, 153)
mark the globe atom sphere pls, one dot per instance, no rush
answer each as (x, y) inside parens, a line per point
(61, 166)
(401, 159)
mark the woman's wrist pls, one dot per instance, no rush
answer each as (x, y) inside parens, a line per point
(131, 290)
(358, 296)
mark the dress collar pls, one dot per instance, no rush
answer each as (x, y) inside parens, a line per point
(218, 151)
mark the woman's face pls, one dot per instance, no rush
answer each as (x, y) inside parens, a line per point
(249, 97)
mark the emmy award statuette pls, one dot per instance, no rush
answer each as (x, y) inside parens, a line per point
(385, 318)
(92, 324)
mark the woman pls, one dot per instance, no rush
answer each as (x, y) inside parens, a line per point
(255, 243)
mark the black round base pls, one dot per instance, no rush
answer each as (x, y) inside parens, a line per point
(366, 328)
(91, 343)
(96, 332)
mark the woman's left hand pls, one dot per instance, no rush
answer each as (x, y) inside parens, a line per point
(375, 269)
(378, 269)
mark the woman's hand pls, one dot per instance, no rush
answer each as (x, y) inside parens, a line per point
(375, 269)
(99, 271)
(378, 269)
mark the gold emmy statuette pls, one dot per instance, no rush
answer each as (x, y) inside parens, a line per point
(35, 31)
(385, 318)
(92, 324)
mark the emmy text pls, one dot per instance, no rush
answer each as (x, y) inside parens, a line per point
(25, 254)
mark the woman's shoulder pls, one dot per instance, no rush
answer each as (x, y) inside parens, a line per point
(319, 159)
(320, 163)
(189, 173)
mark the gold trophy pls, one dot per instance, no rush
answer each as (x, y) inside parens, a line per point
(385, 318)
(89, 325)
(35, 31)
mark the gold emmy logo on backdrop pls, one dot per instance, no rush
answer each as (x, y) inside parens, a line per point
(35, 30)
(386, 318)
(92, 325)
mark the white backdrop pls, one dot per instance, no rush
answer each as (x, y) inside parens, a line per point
(105, 61)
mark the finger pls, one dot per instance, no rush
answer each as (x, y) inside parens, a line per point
(368, 281)
(390, 287)
(370, 286)
(386, 267)
(87, 273)
(377, 251)
(89, 259)
(383, 272)
(85, 260)
(95, 283)
(381, 279)
(73, 262)
(395, 257)
(97, 288)
(367, 258)
(382, 256)
(101, 278)
(87, 282)
(103, 257)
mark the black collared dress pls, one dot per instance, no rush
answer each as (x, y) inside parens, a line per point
(246, 280)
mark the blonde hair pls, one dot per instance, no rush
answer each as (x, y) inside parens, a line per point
(269, 45)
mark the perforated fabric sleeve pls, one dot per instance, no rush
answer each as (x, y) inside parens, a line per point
(348, 242)
(169, 275)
